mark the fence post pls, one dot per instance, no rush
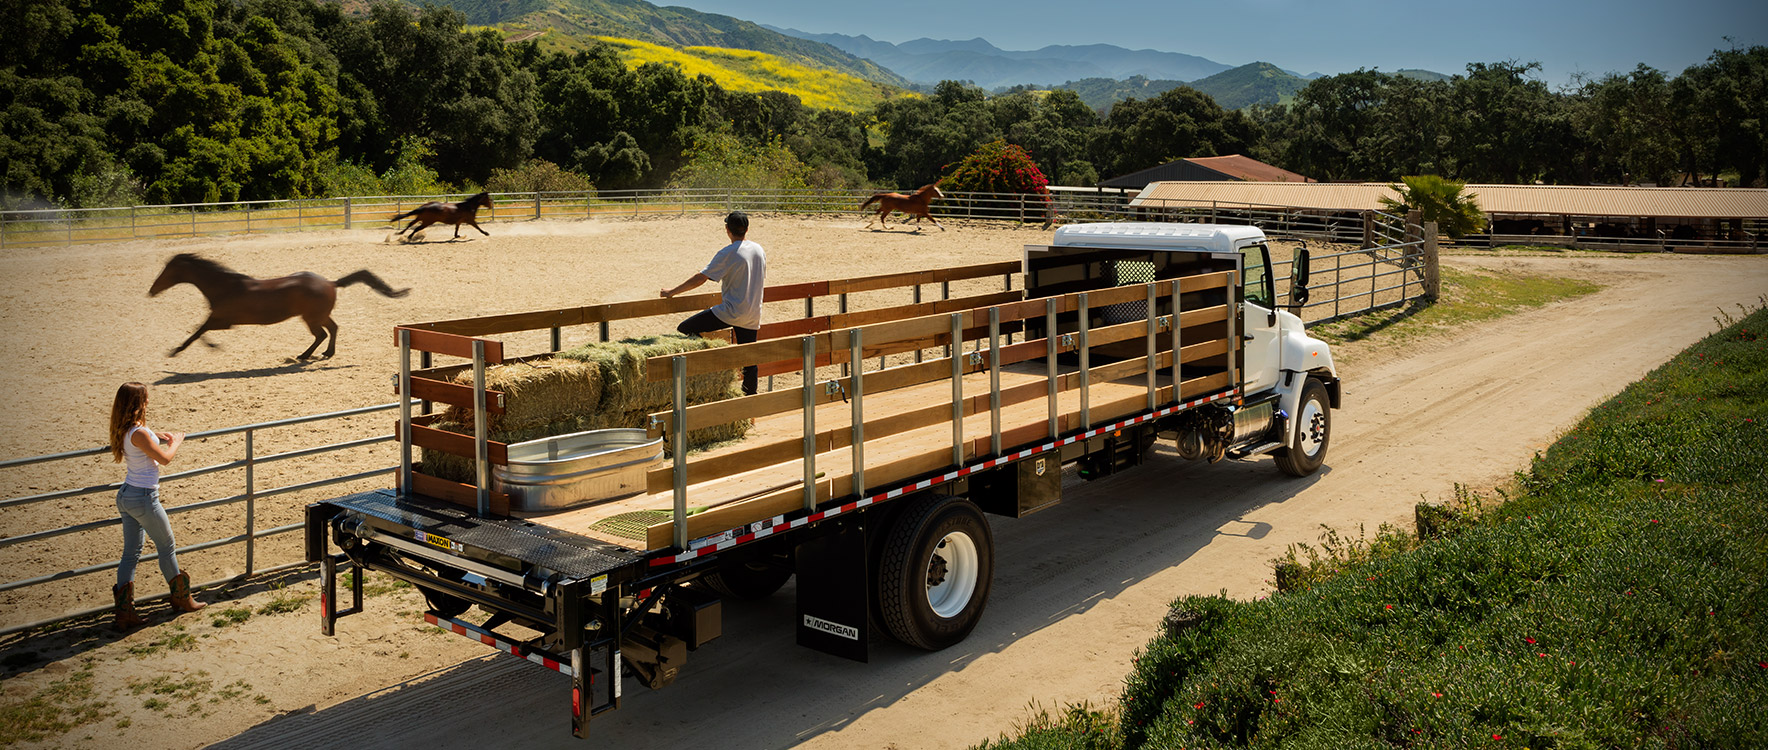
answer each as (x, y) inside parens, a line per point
(131, 222)
(1433, 280)
(536, 205)
(346, 213)
(1368, 229)
(251, 506)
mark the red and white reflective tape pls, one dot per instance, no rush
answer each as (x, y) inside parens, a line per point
(486, 637)
(777, 524)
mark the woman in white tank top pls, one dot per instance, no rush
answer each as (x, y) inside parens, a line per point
(143, 451)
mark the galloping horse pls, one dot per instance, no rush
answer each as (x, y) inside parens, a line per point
(437, 212)
(237, 299)
(914, 205)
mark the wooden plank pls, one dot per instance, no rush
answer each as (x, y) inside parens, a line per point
(452, 393)
(731, 357)
(978, 271)
(732, 515)
(456, 444)
(450, 344)
(1204, 281)
(455, 493)
(789, 292)
(1201, 316)
(646, 308)
(524, 321)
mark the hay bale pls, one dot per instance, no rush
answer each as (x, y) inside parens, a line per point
(535, 393)
(593, 387)
(624, 387)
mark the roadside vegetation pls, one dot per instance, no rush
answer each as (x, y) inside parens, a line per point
(1469, 296)
(1614, 598)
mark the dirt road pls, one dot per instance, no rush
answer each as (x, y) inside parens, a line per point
(1078, 587)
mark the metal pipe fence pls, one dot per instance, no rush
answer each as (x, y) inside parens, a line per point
(16, 507)
(62, 227)
(1379, 273)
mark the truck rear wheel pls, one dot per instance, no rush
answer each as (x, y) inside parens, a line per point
(748, 580)
(1313, 433)
(935, 571)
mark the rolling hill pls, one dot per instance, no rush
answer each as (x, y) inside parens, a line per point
(571, 24)
(751, 71)
(1239, 88)
(934, 60)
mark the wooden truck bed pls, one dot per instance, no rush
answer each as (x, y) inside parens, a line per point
(906, 410)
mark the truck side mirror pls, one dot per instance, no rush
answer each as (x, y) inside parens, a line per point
(1298, 278)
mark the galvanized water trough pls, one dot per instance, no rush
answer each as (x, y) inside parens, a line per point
(566, 471)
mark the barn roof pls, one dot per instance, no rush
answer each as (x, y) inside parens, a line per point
(1571, 200)
(1206, 168)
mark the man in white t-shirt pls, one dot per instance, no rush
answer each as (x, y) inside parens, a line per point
(741, 271)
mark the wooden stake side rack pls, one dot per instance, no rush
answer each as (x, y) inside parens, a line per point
(839, 438)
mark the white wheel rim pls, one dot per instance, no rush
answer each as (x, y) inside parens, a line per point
(1311, 436)
(949, 593)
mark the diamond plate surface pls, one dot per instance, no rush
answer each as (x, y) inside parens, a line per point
(574, 555)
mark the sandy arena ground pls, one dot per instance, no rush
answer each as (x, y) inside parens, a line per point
(1078, 588)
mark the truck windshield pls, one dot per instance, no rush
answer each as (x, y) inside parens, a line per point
(1257, 278)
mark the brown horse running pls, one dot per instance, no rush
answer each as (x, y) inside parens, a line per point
(237, 299)
(914, 205)
(437, 212)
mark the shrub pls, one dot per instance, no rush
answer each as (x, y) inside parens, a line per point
(997, 167)
(537, 176)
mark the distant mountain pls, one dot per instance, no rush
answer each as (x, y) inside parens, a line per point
(1239, 88)
(576, 20)
(934, 60)
(1102, 93)
(1253, 83)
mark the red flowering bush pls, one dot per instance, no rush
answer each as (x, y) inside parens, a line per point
(998, 167)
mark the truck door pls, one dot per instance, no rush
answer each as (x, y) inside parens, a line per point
(1258, 320)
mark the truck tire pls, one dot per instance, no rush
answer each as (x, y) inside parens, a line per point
(1313, 434)
(935, 571)
(748, 580)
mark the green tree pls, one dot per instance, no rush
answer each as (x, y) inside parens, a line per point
(1445, 202)
(720, 159)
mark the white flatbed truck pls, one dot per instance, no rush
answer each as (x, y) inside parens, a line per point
(1127, 333)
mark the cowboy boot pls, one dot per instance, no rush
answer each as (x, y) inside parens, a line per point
(181, 600)
(124, 596)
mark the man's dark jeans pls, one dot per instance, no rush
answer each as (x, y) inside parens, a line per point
(706, 322)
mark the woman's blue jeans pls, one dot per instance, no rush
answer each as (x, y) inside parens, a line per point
(143, 516)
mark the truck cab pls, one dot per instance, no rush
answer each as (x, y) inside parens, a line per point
(1277, 361)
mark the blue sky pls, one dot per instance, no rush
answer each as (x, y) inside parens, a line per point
(1329, 36)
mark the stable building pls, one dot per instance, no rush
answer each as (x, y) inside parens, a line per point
(1721, 219)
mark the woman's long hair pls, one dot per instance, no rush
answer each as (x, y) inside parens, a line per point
(128, 410)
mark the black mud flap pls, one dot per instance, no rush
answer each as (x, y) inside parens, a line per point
(833, 591)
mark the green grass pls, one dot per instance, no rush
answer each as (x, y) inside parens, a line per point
(54, 710)
(231, 616)
(1616, 599)
(284, 602)
(1468, 297)
(173, 638)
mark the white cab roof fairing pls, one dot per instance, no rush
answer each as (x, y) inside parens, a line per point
(1151, 235)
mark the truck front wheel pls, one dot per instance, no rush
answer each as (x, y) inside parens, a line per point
(1313, 433)
(935, 571)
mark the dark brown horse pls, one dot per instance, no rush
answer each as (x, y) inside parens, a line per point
(238, 299)
(914, 205)
(437, 212)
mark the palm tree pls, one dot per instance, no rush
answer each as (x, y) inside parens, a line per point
(1439, 200)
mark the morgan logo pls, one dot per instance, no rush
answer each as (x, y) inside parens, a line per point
(832, 628)
(1039, 468)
